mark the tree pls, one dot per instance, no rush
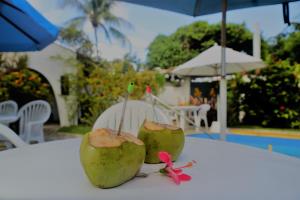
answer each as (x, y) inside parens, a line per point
(134, 60)
(77, 39)
(165, 52)
(188, 41)
(287, 47)
(98, 14)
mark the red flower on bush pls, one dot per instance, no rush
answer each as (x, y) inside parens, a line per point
(282, 108)
(175, 173)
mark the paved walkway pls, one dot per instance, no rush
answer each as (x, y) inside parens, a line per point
(266, 133)
(277, 133)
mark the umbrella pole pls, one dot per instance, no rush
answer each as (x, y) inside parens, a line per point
(223, 84)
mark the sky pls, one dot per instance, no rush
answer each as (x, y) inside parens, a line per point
(149, 22)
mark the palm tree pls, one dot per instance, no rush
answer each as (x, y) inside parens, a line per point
(98, 14)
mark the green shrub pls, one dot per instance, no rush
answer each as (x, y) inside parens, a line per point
(269, 98)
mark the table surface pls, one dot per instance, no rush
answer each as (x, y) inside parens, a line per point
(224, 171)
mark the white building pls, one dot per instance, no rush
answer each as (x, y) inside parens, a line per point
(46, 63)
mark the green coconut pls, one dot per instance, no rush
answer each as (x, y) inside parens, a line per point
(161, 137)
(109, 159)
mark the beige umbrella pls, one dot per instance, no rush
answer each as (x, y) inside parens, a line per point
(208, 63)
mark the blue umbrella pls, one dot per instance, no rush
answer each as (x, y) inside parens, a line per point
(23, 28)
(204, 7)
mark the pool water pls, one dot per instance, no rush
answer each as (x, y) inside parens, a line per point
(289, 147)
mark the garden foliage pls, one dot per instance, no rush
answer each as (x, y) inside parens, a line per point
(105, 84)
(19, 83)
(271, 96)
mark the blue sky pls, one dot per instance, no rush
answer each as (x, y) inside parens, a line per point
(149, 22)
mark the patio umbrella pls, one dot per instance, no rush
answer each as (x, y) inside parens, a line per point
(204, 7)
(23, 28)
(207, 63)
(200, 7)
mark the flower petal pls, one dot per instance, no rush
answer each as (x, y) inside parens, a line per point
(184, 177)
(165, 157)
(173, 175)
(177, 171)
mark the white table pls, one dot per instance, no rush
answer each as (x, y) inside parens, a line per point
(224, 171)
(183, 113)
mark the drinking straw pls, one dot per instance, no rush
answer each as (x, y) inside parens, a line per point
(130, 89)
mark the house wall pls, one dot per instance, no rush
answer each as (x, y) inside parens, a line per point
(52, 69)
(172, 95)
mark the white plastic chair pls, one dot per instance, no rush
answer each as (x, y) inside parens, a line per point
(135, 114)
(8, 112)
(11, 136)
(32, 116)
(172, 114)
(202, 115)
(167, 109)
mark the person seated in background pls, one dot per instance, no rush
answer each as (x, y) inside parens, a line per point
(213, 98)
(212, 113)
(196, 99)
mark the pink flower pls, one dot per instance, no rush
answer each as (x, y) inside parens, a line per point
(166, 158)
(175, 173)
(148, 89)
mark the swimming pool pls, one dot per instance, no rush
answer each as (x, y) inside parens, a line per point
(286, 146)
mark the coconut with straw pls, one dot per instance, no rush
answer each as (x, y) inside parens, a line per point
(112, 157)
(160, 137)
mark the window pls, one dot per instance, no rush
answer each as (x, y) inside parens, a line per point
(65, 85)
